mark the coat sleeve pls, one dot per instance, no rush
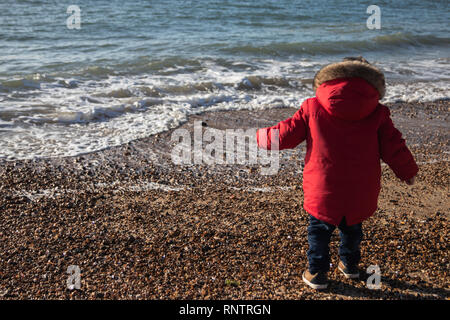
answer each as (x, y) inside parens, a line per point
(290, 132)
(393, 149)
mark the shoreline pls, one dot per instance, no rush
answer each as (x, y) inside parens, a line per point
(140, 227)
(404, 114)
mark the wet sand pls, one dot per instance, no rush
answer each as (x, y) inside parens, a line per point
(140, 227)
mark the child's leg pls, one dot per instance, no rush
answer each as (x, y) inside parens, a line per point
(319, 234)
(351, 237)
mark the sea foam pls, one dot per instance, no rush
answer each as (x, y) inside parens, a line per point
(50, 116)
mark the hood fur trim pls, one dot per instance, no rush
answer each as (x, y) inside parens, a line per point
(351, 69)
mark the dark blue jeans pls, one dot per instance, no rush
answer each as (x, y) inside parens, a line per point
(319, 235)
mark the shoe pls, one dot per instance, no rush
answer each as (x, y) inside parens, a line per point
(349, 272)
(316, 281)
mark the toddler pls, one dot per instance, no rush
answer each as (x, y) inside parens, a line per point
(347, 132)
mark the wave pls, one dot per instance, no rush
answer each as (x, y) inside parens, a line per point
(43, 101)
(164, 66)
(79, 123)
(73, 103)
(29, 82)
(19, 84)
(402, 39)
(378, 43)
(240, 58)
(96, 114)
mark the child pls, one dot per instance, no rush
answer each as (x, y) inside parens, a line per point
(347, 132)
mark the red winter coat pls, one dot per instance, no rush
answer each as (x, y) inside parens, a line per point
(347, 132)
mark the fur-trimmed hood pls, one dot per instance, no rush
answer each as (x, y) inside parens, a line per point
(352, 69)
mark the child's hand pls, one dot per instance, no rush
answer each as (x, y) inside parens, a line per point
(411, 181)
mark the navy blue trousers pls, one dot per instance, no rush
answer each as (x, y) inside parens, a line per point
(319, 235)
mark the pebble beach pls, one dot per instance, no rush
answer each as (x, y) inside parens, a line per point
(139, 226)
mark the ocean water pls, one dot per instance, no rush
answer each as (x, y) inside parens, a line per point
(136, 67)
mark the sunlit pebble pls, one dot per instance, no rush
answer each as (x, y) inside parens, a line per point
(392, 262)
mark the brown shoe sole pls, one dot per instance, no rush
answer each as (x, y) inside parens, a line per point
(313, 285)
(348, 275)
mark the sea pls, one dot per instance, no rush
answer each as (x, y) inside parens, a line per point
(79, 76)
